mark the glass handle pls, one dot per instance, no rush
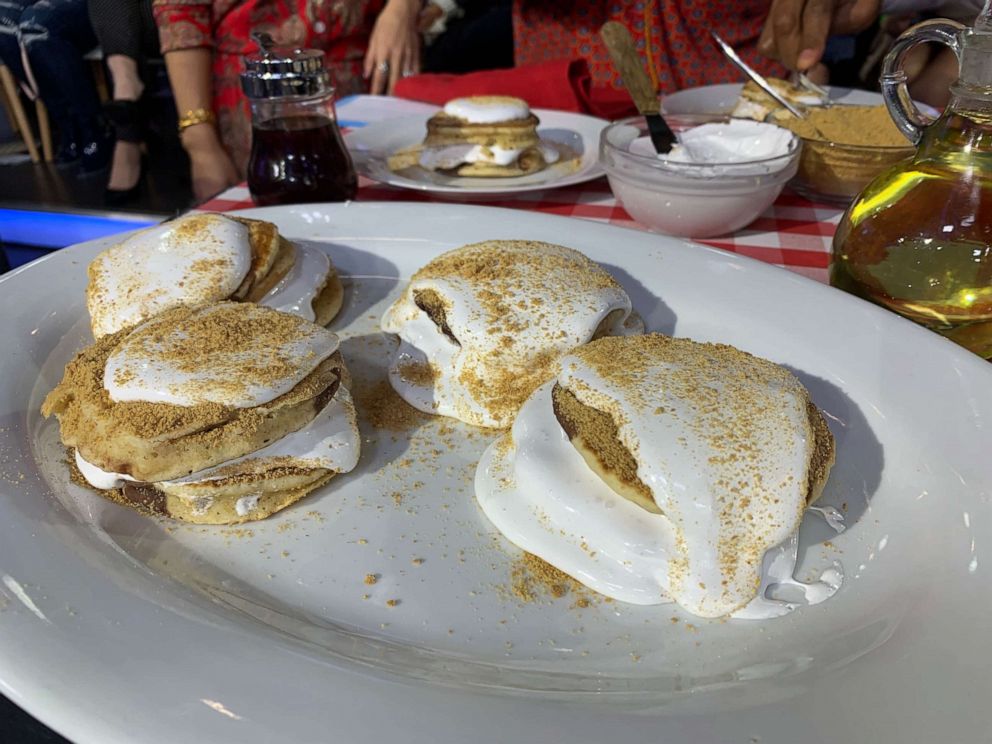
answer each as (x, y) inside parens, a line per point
(907, 116)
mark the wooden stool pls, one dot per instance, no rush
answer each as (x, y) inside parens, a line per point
(18, 118)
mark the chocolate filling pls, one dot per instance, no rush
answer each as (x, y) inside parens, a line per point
(431, 303)
(597, 432)
(142, 496)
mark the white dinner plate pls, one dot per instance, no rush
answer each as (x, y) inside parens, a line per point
(721, 99)
(372, 145)
(116, 628)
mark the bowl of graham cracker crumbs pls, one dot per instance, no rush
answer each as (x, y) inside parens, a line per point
(844, 148)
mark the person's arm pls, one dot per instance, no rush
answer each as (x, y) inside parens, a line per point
(796, 31)
(185, 30)
(211, 167)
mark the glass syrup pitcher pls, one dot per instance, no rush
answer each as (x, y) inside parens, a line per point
(918, 239)
(297, 154)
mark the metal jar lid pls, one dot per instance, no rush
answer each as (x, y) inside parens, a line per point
(277, 73)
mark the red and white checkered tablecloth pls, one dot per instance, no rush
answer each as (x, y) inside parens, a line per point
(793, 233)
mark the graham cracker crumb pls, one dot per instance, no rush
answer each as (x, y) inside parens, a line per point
(384, 408)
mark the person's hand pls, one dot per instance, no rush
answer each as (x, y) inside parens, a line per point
(430, 15)
(211, 168)
(796, 31)
(394, 47)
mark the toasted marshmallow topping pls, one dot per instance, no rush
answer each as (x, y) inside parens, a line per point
(295, 292)
(235, 354)
(191, 260)
(330, 441)
(511, 309)
(723, 445)
(487, 109)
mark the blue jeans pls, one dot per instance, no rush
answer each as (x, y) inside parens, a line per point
(55, 34)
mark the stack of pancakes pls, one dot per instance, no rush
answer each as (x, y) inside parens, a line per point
(483, 325)
(487, 137)
(208, 258)
(663, 469)
(216, 414)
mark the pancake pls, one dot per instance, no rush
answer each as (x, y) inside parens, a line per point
(207, 411)
(484, 137)
(205, 258)
(482, 326)
(254, 486)
(216, 508)
(665, 470)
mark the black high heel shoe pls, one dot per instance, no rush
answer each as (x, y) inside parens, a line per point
(120, 197)
(127, 121)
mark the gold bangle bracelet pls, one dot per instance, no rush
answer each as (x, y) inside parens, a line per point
(196, 116)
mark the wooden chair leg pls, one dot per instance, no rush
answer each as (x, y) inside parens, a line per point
(45, 130)
(8, 109)
(10, 89)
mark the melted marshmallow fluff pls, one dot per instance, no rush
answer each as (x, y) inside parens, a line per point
(191, 260)
(539, 492)
(296, 291)
(487, 109)
(452, 156)
(736, 143)
(98, 478)
(330, 441)
(154, 364)
(502, 341)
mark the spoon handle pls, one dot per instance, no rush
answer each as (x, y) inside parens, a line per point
(628, 63)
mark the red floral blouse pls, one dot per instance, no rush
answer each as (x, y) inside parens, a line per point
(339, 27)
(672, 35)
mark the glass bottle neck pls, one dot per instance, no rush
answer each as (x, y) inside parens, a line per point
(964, 130)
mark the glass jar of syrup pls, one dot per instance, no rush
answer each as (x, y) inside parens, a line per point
(297, 154)
(918, 240)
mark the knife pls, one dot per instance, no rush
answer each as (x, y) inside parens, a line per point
(757, 78)
(628, 63)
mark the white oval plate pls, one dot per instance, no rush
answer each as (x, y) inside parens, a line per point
(721, 99)
(372, 145)
(118, 628)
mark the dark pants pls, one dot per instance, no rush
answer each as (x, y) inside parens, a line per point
(482, 39)
(125, 27)
(55, 34)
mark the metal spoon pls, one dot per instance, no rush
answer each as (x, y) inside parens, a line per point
(758, 79)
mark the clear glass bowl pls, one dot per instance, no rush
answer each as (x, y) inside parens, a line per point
(689, 200)
(834, 173)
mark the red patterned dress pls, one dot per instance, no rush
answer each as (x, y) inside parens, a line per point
(340, 27)
(673, 36)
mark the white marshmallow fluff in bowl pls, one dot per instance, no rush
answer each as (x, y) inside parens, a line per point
(721, 175)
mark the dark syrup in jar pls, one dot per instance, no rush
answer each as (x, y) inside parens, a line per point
(299, 159)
